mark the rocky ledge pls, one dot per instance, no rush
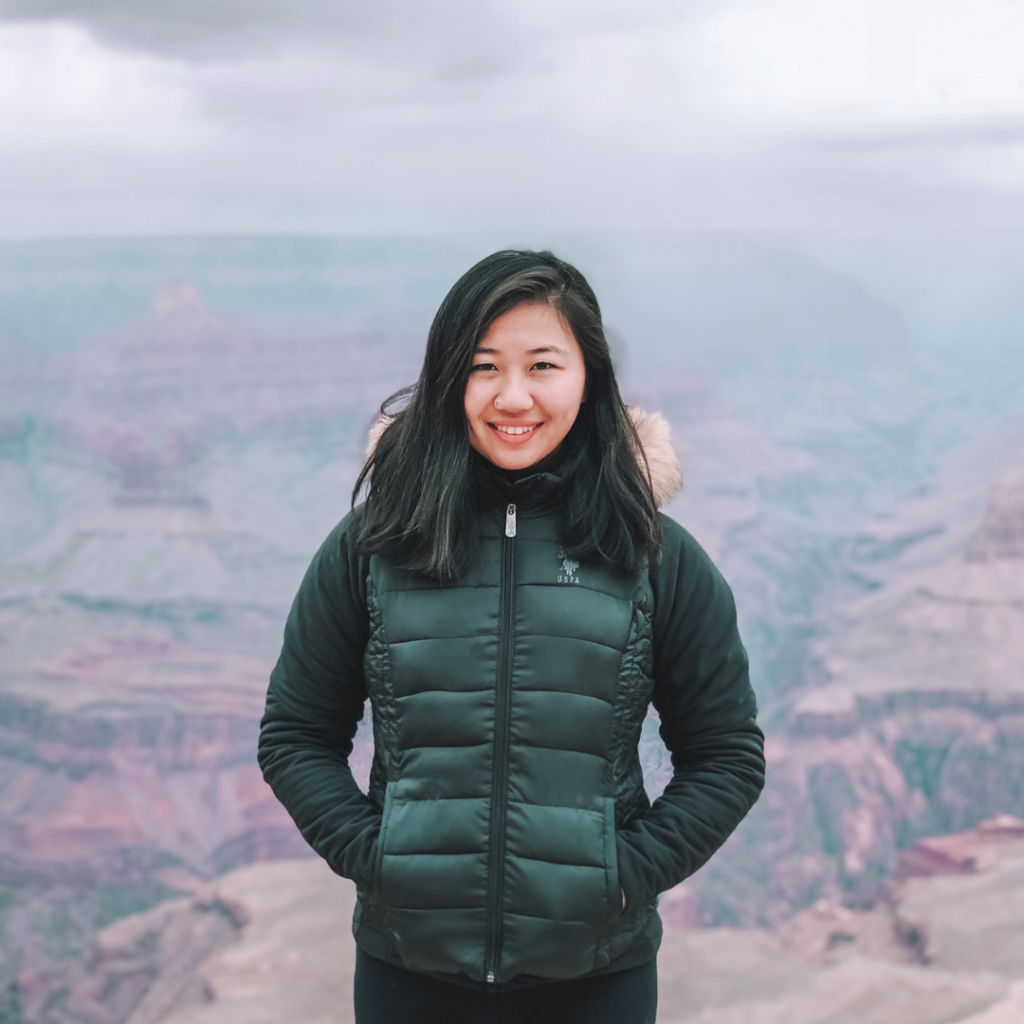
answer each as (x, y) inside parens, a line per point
(272, 942)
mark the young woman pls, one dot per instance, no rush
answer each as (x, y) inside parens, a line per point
(511, 601)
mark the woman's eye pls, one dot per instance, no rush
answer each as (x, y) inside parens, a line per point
(543, 366)
(482, 366)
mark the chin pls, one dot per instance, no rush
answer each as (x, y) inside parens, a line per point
(512, 460)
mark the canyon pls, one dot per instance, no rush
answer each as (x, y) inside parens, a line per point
(910, 724)
(162, 487)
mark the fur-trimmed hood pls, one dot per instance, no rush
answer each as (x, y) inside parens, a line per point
(652, 429)
(666, 475)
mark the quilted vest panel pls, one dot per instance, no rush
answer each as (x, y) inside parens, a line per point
(507, 710)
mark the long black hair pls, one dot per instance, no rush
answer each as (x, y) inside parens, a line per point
(421, 492)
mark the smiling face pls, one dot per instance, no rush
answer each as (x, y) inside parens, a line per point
(525, 387)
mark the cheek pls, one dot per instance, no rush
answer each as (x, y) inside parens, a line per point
(572, 400)
(475, 401)
(469, 400)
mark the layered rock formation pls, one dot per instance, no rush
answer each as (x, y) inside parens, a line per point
(144, 578)
(911, 724)
(271, 942)
(116, 806)
(266, 943)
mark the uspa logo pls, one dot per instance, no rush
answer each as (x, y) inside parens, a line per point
(567, 574)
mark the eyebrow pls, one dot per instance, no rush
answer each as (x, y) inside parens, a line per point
(530, 352)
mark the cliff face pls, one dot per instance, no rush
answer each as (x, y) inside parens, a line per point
(271, 942)
(87, 784)
(127, 777)
(161, 491)
(1001, 535)
(112, 808)
(912, 725)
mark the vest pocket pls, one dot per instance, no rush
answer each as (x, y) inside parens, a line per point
(562, 899)
(613, 894)
(378, 860)
(432, 853)
(431, 880)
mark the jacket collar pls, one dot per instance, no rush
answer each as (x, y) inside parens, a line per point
(533, 488)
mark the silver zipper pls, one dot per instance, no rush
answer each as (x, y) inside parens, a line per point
(499, 785)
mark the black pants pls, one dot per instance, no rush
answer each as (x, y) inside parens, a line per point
(385, 994)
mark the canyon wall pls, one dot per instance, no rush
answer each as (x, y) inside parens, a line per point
(910, 723)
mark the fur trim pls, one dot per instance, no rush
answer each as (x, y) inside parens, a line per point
(377, 427)
(665, 473)
(654, 433)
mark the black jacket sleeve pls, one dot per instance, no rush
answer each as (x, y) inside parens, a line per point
(314, 705)
(702, 693)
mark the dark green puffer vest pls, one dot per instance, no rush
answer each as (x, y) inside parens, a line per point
(507, 714)
(506, 814)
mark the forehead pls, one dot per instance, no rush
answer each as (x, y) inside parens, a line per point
(529, 328)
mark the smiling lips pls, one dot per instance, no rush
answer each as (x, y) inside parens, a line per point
(514, 433)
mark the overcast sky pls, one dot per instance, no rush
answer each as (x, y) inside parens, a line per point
(143, 116)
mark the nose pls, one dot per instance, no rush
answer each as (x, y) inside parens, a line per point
(514, 395)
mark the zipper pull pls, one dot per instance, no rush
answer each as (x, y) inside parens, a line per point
(490, 977)
(510, 521)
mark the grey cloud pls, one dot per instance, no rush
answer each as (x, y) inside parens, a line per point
(308, 63)
(213, 29)
(431, 114)
(466, 35)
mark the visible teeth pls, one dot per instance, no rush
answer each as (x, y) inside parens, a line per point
(513, 430)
